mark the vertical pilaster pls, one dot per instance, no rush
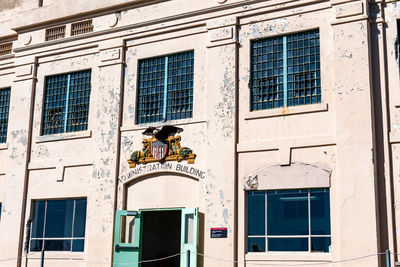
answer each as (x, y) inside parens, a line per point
(18, 135)
(355, 232)
(108, 95)
(221, 133)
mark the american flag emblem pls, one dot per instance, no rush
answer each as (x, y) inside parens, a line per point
(160, 149)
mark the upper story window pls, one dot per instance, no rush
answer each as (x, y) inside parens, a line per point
(66, 102)
(285, 71)
(289, 220)
(4, 110)
(165, 88)
(55, 33)
(58, 225)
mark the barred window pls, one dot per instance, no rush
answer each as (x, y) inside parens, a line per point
(66, 102)
(4, 109)
(81, 27)
(285, 71)
(165, 88)
(55, 33)
(5, 49)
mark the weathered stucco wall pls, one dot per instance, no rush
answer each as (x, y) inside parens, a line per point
(336, 136)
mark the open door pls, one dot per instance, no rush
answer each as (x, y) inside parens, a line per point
(189, 237)
(127, 238)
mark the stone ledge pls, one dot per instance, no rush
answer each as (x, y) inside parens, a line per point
(269, 113)
(63, 136)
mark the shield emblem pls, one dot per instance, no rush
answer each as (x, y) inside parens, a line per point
(160, 149)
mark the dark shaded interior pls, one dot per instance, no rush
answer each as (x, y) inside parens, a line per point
(161, 237)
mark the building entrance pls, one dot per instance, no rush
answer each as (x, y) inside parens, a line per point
(161, 237)
(146, 235)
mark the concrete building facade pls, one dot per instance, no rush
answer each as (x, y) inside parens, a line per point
(219, 132)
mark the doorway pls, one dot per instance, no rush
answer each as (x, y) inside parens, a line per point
(161, 237)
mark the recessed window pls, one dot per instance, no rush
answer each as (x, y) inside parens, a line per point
(58, 225)
(66, 102)
(165, 88)
(4, 110)
(285, 71)
(1, 208)
(289, 220)
(81, 27)
(55, 33)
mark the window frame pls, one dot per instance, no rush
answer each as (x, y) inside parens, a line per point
(164, 108)
(285, 74)
(309, 236)
(44, 239)
(65, 108)
(6, 112)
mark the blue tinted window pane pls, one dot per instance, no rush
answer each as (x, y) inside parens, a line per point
(287, 244)
(320, 212)
(320, 244)
(38, 219)
(78, 244)
(80, 218)
(36, 245)
(256, 244)
(57, 245)
(59, 218)
(1, 206)
(256, 213)
(287, 212)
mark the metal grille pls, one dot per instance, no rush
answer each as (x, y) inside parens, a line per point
(267, 74)
(66, 106)
(180, 86)
(151, 90)
(5, 49)
(4, 108)
(285, 71)
(303, 73)
(55, 33)
(81, 27)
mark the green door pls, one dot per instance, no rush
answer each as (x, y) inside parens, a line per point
(127, 239)
(189, 236)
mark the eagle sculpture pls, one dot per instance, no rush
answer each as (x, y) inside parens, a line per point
(163, 133)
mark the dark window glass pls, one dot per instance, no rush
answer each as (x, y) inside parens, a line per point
(59, 218)
(60, 224)
(78, 244)
(287, 212)
(1, 206)
(256, 244)
(320, 244)
(165, 88)
(36, 245)
(320, 212)
(256, 211)
(66, 102)
(57, 245)
(288, 244)
(80, 215)
(38, 219)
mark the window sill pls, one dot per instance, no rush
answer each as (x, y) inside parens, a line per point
(288, 256)
(58, 255)
(63, 136)
(144, 126)
(3, 146)
(276, 112)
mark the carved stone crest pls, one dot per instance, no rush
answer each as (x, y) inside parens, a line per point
(163, 145)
